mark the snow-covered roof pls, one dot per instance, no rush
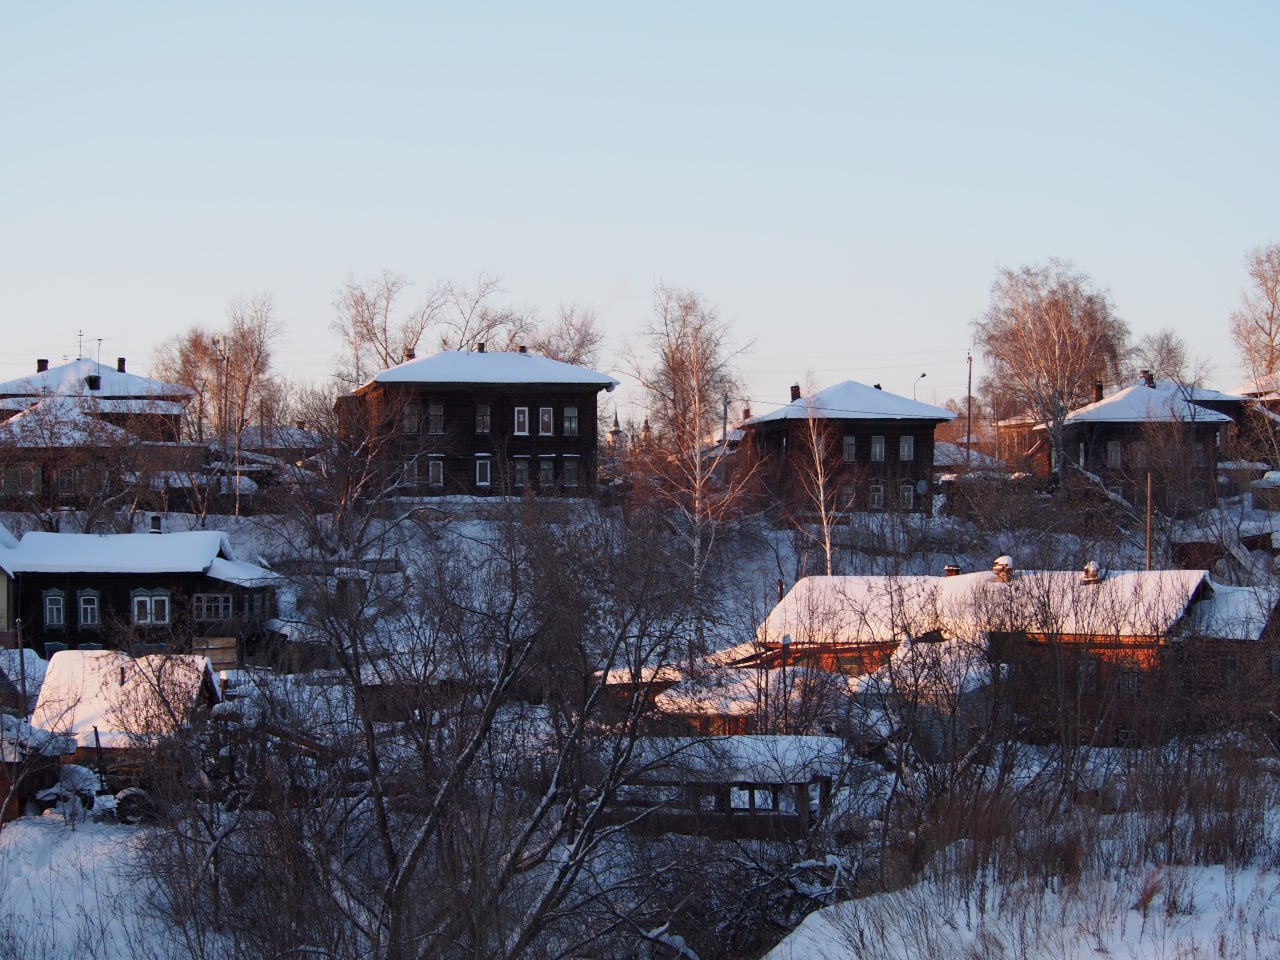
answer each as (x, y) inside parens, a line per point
(7, 540)
(68, 379)
(61, 422)
(257, 437)
(25, 662)
(499, 367)
(851, 400)
(122, 697)
(1232, 613)
(193, 551)
(853, 610)
(741, 759)
(1166, 402)
(947, 454)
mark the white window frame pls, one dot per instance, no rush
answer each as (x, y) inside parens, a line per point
(55, 610)
(849, 449)
(570, 420)
(521, 428)
(88, 601)
(906, 448)
(150, 608)
(435, 472)
(876, 496)
(221, 604)
(546, 421)
(877, 449)
(907, 496)
(484, 471)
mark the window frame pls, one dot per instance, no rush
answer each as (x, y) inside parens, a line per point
(1115, 455)
(435, 471)
(907, 496)
(546, 421)
(484, 468)
(201, 603)
(435, 419)
(569, 419)
(88, 599)
(520, 424)
(484, 418)
(546, 472)
(576, 464)
(875, 496)
(149, 600)
(877, 449)
(849, 449)
(520, 471)
(54, 604)
(907, 448)
(411, 419)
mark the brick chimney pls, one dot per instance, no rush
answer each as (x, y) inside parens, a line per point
(42, 365)
(951, 570)
(119, 364)
(409, 354)
(479, 348)
(795, 392)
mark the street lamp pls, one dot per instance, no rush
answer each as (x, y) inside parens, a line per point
(916, 384)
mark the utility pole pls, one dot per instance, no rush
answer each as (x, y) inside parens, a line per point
(968, 417)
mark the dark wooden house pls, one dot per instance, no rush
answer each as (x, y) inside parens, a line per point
(181, 591)
(876, 449)
(484, 423)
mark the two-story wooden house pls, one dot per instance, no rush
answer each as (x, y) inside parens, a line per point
(876, 448)
(486, 423)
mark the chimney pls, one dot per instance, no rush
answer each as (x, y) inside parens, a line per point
(93, 381)
(409, 354)
(1148, 378)
(523, 348)
(155, 523)
(119, 364)
(795, 392)
(951, 570)
(479, 348)
(1003, 568)
(1097, 391)
(42, 365)
(1091, 572)
(746, 413)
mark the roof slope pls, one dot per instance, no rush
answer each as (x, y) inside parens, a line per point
(194, 551)
(456, 367)
(851, 400)
(118, 699)
(1164, 403)
(68, 379)
(61, 422)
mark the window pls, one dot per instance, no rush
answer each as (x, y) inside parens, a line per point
(484, 471)
(877, 496)
(211, 607)
(66, 483)
(520, 472)
(410, 471)
(1087, 675)
(906, 448)
(546, 472)
(55, 610)
(1127, 682)
(522, 421)
(1080, 454)
(1113, 454)
(1138, 454)
(569, 472)
(907, 496)
(850, 449)
(412, 420)
(570, 421)
(435, 472)
(89, 613)
(546, 421)
(435, 418)
(150, 607)
(484, 419)
(877, 448)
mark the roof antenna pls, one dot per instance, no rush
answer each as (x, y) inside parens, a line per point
(79, 344)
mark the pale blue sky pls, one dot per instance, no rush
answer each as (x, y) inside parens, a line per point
(841, 179)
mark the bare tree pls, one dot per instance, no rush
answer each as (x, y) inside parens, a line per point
(1165, 354)
(470, 315)
(573, 337)
(377, 330)
(1048, 335)
(1255, 325)
(816, 471)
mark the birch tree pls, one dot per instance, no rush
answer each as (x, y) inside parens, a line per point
(1255, 324)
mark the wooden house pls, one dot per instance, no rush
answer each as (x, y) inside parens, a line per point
(187, 591)
(876, 449)
(768, 787)
(484, 423)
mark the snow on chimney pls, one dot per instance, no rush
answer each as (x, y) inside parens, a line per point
(795, 392)
(1091, 574)
(42, 365)
(119, 364)
(1003, 568)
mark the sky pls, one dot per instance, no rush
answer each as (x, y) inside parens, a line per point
(841, 180)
